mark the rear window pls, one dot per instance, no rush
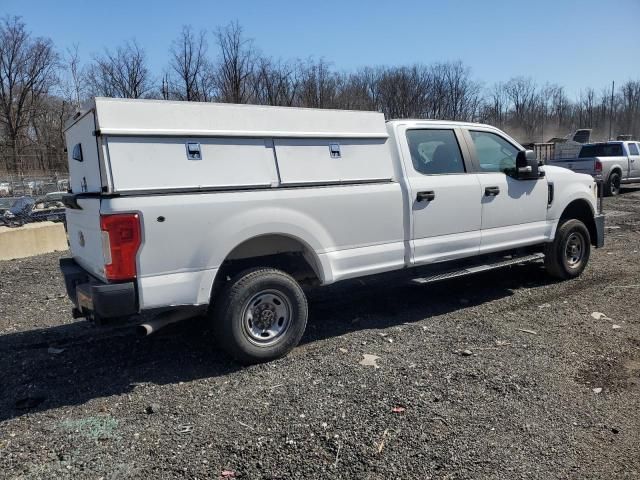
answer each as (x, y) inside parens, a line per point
(633, 149)
(601, 150)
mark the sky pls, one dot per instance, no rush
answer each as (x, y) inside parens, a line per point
(576, 44)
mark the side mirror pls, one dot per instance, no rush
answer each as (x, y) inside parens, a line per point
(527, 165)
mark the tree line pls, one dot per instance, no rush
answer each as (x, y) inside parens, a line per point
(41, 87)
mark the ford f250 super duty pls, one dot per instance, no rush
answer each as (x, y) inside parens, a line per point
(230, 210)
(615, 163)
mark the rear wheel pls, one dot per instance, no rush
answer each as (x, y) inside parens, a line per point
(260, 315)
(567, 256)
(612, 188)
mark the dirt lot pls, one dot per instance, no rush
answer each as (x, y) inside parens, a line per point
(523, 401)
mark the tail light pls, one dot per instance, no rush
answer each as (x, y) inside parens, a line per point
(121, 240)
(598, 167)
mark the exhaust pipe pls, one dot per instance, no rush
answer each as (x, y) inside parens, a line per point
(162, 320)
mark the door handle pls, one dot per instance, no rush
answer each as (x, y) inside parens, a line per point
(426, 196)
(491, 191)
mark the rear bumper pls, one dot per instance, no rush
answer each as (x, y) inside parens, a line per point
(96, 299)
(599, 221)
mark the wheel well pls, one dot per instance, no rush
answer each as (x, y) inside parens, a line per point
(615, 169)
(276, 251)
(581, 210)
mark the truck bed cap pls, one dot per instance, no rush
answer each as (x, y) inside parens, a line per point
(125, 117)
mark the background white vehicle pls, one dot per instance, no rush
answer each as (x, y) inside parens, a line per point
(180, 206)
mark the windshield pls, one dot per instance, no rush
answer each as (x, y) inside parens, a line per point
(601, 150)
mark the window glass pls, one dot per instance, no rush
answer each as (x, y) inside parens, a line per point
(601, 150)
(494, 153)
(435, 152)
(633, 149)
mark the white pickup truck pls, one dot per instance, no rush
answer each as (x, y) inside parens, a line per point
(179, 207)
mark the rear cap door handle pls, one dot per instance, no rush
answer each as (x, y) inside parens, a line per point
(492, 191)
(426, 196)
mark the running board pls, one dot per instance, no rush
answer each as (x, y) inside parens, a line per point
(478, 268)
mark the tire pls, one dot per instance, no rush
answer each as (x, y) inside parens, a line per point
(260, 315)
(612, 188)
(567, 256)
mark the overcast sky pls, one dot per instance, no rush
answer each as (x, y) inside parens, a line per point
(573, 43)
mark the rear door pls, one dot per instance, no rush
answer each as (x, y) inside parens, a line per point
(514, 211)
(444, 195)
(83, 224)
(82, 154)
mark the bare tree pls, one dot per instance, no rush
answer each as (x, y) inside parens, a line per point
(525, 100)
(72, 85)
(462, 98)
(236, 65)
(190, 74)
(629, 101)
(319, 86)
(27, 72)
(559, 109)
(404, 92)
(496, 106)
(123, 73)
(274, 83)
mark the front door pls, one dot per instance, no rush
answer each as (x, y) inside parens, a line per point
(444, 196)
(634, 160)
(513, 211)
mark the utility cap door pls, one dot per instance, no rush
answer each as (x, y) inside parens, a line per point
(82, 153)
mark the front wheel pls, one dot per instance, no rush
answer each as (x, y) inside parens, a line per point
(260, 315)
(567, 256)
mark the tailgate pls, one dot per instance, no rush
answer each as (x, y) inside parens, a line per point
(85, 235)
(82, 151)
(578, 165)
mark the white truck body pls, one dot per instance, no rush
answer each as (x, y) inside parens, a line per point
(213, 183)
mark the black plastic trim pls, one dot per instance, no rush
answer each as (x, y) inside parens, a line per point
(109, 300)
(197, 190)
(599, 221)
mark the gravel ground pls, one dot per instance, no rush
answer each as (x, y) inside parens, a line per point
(502, 375)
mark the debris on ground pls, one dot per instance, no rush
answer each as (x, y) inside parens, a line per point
(526, 330)
(369, 360)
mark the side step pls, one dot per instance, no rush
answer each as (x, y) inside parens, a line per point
(505, 262)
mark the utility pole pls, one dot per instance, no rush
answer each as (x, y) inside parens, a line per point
(613, 86)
